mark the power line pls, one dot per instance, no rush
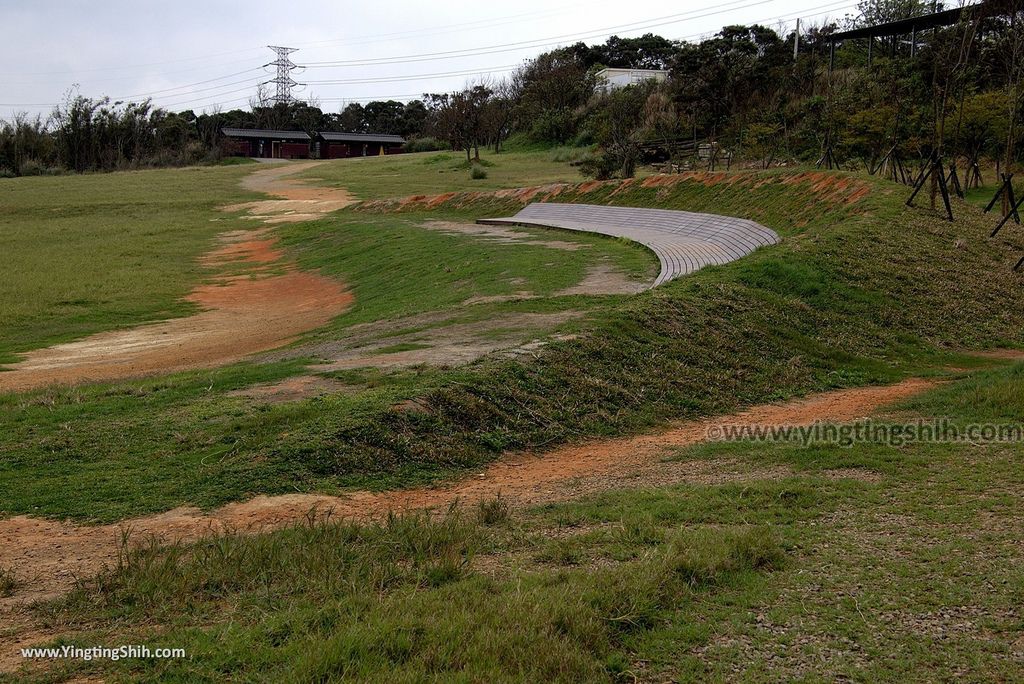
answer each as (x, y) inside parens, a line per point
(450, 28)
(190, 70)
(284, 69)
(833, 7)
(550, 41)
(136, 66)
(179, 103)
(248, 83)
(190, 86)
(447, 28)
(654, 22)
(417, 77)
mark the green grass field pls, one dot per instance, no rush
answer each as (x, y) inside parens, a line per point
(97, 252)
(840, 302)
(433, 173)
(872, 562)
(149, 445)
(812, 563)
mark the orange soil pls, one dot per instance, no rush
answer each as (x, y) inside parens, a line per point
(828, 187)
(46, 555)
(298, 200)
(267, 305)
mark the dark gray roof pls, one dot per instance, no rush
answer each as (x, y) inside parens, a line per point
(264, 133)
(362, 137)
(926, 21)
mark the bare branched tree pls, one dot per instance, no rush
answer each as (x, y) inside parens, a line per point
(1013, 56)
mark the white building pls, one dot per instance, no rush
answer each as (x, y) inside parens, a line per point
(613, 79)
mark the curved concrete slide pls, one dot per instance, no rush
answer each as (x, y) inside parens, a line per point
(684, 241)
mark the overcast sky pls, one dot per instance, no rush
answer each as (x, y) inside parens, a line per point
(195, 54)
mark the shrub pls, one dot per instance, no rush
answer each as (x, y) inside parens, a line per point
(31, 167)
(471, 164)
(567, 154)
(553, 127)
(425, 144)
(478, 173)
(7, 173)
(233, 161)
(601, 166)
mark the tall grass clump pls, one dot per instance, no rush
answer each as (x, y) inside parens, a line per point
(8, 582)
(401, 600)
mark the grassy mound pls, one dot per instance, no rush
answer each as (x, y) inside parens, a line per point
(861, 290)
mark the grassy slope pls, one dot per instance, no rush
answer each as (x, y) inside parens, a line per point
(150, 445)
(857, 293)
(908, 567)
(432, 173)
(396, 268)
(88, 253)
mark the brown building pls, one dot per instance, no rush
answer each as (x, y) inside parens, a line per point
(258, 142)
(337, 145)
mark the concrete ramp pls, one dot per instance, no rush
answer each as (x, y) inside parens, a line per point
(684, 241)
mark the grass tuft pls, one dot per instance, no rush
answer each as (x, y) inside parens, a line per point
(493, 511)
(8, 582)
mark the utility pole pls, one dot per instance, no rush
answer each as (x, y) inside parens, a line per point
(796, 40)
(283, 80)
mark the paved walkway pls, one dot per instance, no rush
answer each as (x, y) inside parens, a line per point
(684, 241)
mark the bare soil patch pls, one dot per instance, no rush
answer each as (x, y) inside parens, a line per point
(292, 389)
(605, 279)
(1001, 354)
(266, 303)
(500, 234)
(438, 342)
(299, 199)
(452, 345)
(243, 315)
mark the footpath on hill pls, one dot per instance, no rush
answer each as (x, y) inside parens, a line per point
(260, 301)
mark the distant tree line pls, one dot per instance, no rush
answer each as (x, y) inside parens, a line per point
(743, 90)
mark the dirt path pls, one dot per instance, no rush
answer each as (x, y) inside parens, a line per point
(47, 555)
(266, 302)
(298, 200)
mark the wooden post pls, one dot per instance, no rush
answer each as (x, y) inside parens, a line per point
(954, 180)
(1006, 192)
(935, 171)
(1012, 212)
